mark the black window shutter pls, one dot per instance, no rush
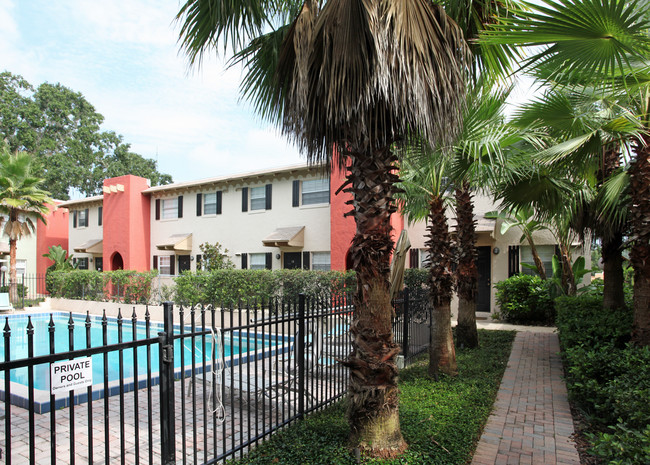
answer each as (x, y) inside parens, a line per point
(269, 261)
(87, 218)
(198, 261)
(244, 199)
(305, 261)
(172, 264)
(295, 194)
(513, 260)
(244, 261)
(414, 257)
(157, 209)
(155, 262)
(219, 199)
(269, 191)
(199, 199)
(74, 219)
(180, 207)
(100, 216)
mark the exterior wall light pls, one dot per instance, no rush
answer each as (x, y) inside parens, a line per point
(496, 251)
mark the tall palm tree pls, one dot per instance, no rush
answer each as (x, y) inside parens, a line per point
(425, 186)
(353, 78)
(22, 203)
(478, 163)
(603, 44)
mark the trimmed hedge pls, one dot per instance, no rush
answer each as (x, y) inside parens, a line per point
(607, 377)
(126, 286)
(229, 288)
(525, 299)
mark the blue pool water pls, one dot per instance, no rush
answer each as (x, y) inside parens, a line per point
(18, 324)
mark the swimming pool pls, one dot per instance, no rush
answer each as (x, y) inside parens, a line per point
(237, 346)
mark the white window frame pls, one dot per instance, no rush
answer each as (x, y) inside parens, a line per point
(315, 192)
(82, 218)
(165, 265)
(169, 208)
(545, 253)
(258, 198)
(21, 266)
(83, 263)
(210, 206)
(321, 261)
(257, 261)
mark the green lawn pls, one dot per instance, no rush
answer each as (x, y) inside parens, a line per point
(441, 421)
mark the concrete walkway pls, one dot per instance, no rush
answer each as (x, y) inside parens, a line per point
(531, 422)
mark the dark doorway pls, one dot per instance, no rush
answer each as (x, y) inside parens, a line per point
(292, 260)
(99, 263)
(117, 263)
(484, 265)
(183, 263)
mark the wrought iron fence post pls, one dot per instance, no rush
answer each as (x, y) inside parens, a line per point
(301, 355)
(167, 413)
(23, 291)
(405, 331)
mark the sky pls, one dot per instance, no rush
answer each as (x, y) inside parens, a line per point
(123, 56)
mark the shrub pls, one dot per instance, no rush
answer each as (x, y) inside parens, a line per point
(608, 378)
(120, 285)
(21, 289)
(525, 299)
(230, 288)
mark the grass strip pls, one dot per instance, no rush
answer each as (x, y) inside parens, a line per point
(441, 421)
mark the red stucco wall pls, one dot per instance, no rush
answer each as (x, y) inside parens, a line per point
(55, 232)
(127, 223)
(342, 229)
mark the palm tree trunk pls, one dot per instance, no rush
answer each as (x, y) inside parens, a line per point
(568, 278)
(466, 271)
(640, 253)
(373, 411)
(13, 283)
(442, 354)
(538, 261)
(613, 295)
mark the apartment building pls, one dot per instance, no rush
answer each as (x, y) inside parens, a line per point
(281, 218)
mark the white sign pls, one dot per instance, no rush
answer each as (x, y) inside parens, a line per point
(69, 375)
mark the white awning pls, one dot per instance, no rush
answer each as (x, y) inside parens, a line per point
(180, 242)
(286, 237)
(95, 246)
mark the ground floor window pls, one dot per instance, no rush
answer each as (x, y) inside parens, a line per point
(82, 263)
(164, 264)
(21, 267)
(545, 253)
(258, 261)
(321, 261)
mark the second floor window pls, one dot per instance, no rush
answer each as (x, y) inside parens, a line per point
(80, 218)
(315, 191)
(210, 203)
(258, 198)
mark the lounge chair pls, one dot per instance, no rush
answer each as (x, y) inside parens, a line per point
(5, 304)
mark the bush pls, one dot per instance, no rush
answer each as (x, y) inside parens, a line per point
(607, 378)
(525, 299)
(21, 289)
(230, 288)
(126, 286)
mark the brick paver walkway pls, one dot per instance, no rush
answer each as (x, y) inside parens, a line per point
(531, 422)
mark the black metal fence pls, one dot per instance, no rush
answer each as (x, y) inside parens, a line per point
(202, 387)
(412, 323)
(27, 290)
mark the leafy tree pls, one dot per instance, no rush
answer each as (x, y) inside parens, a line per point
(62, 129)
(22, 203)
(213, 257)
(60, 259)
(351, 78)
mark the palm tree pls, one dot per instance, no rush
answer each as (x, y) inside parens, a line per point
(353, 78)
(425, 184)
(478, 163)
(22, 203)
(602, 44)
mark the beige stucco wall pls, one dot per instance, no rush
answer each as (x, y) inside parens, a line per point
(242, 232)
(80, 235)
(494, 239)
